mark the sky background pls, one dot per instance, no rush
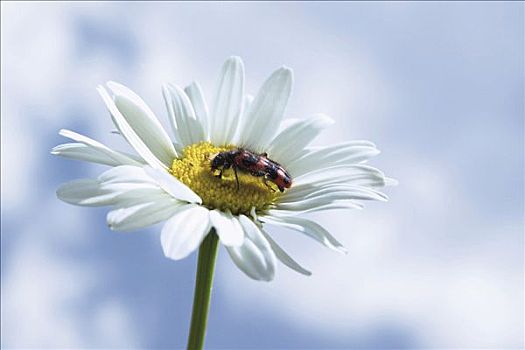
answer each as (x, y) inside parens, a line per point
(439, 87)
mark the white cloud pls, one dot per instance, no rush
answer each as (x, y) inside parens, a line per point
(35, 66)
(45, 293)
(38, 297)
(112, 326)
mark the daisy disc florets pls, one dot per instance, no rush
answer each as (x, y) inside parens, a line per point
(250, 193)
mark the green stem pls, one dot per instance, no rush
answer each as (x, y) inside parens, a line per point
(203, 285)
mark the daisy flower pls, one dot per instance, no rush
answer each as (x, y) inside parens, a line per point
(171, 179)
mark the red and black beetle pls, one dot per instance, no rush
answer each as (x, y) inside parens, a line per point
(254, 164)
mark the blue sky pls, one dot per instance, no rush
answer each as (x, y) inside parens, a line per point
(437, 86)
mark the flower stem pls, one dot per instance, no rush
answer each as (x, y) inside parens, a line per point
(203, 286)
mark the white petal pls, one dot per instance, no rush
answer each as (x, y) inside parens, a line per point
(284, 257)
(141, 195)
(285, 123)
(90, 150)
(355, 174)
(194, 93)
(266, 111)
(289, 212)
(309, 190)
(290, 142)
(316, 205)
(87, 192)
(79, 151)
(185, 231)
(184, 123)
(255, 257)
(126, 174)
(391, 182)
(130, 135)
(178, 138)
(172, 185)
(131, 177)
(253, 232)
(228, 228)
(297, 209)
(309, 228)
(329, 193)
(127, 186)
(308, 205)
(227, 104)
(341, 154)
(140, 117)
(141, 215)
(246, 103)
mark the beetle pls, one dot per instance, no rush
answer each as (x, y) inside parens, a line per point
(258, 165)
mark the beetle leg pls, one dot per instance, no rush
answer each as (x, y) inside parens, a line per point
(236, 176)
(225, 166)
(265, 181)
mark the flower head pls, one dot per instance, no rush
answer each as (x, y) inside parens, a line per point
(233, 168)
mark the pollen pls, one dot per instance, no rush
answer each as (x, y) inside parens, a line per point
(194, 170)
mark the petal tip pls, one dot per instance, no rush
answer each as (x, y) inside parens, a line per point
(286, 74)
(103, 92)
(120, 90)
(113, 84)
(286, 71)
(194, 84)
(342, 250)
(176, 256)
(235, 59)
(391, 182)
(325, 120)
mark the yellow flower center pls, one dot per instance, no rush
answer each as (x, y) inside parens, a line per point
(194, 170)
